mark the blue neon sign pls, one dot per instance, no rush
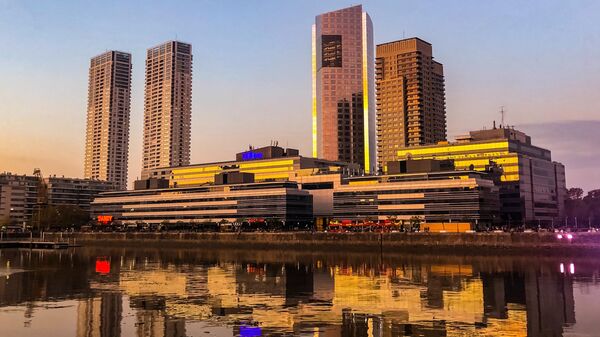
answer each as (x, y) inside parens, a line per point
(252, 155)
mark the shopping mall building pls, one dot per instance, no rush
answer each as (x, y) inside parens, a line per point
(279, 184)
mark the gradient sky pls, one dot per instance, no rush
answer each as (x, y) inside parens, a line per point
(252, 72)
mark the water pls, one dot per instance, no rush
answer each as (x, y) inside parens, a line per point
(112, 292)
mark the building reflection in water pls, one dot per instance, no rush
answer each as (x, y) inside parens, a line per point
(164, 295)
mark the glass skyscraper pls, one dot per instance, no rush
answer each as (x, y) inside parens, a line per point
(343, 106)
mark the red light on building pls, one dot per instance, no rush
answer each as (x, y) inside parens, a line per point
(105, 219)
(102, 266)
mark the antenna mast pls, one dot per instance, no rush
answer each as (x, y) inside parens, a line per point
(502, 112)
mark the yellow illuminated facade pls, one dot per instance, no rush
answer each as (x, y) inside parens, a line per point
(274, 169)
(479, 155)
(315, 146)
(533, 187)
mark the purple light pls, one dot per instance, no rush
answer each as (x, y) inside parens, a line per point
(562, 268)
(572, 268)
(250, 331)
(569, 236)
(559, 236)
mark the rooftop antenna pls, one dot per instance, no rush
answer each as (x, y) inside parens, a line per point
(502, 112)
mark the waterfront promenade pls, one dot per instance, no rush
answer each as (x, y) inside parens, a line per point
(480, 243)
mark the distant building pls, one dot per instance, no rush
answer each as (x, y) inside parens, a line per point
(21, 196)
(343, 106)
(411, 107)
(532, 186)
(107, 136)
(167, 106)
(74, 191)
(18, 198)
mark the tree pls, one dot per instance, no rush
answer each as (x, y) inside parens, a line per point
(574, 193)
(415, 223)
(585, 209)
(593, 195)
(62, 216)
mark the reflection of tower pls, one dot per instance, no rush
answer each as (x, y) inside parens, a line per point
(323, 286)
(436, 285)
(100, 316)
(152, 320)
(150, 323)
(550, 304)
(499, 290)
(354, 325)
(298, 283)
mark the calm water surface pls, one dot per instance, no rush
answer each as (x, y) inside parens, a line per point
(112, 292)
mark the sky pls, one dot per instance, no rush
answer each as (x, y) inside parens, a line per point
(252, 72)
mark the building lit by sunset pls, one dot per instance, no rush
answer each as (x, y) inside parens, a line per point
(410, 97)
(167, 106)
(276, 183)
(107, 135)
(532, 186)
(343, 104)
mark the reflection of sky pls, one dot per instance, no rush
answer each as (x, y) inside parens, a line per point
(586, 296)
(538, 58)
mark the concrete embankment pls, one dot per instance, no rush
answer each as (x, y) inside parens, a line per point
(478, 243)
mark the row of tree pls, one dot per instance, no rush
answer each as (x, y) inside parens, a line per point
(584, 208)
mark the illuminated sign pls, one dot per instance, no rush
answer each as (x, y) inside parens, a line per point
(252, 155)
(105, 219)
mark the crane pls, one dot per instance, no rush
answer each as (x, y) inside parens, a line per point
(42, 195)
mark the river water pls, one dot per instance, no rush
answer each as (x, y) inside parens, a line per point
(112, 292)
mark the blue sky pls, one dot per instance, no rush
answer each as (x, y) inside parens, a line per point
(540, 59)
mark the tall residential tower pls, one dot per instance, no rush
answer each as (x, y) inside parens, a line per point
(107, 136)
(411, 108)
(167, 106)
(343, 110)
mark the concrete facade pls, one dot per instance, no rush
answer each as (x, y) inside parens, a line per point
(411, 107)
(167, 106)
(107, 135)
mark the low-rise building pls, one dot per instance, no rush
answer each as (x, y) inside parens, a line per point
(532, 186)
(18, 198)
(269, 163)
(309, 190)
(22, 196)
(280, 201)
(75, 191)
(434, 197)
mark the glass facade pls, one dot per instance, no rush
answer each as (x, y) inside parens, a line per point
(343, 87)
(281, 201)
(439, 197)
(532, 186)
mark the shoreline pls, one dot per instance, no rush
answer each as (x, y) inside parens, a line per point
(479, 243)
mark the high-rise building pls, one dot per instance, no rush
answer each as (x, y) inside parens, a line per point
(107, 136)
(167, 106)
(343, 110)
(411, 107)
